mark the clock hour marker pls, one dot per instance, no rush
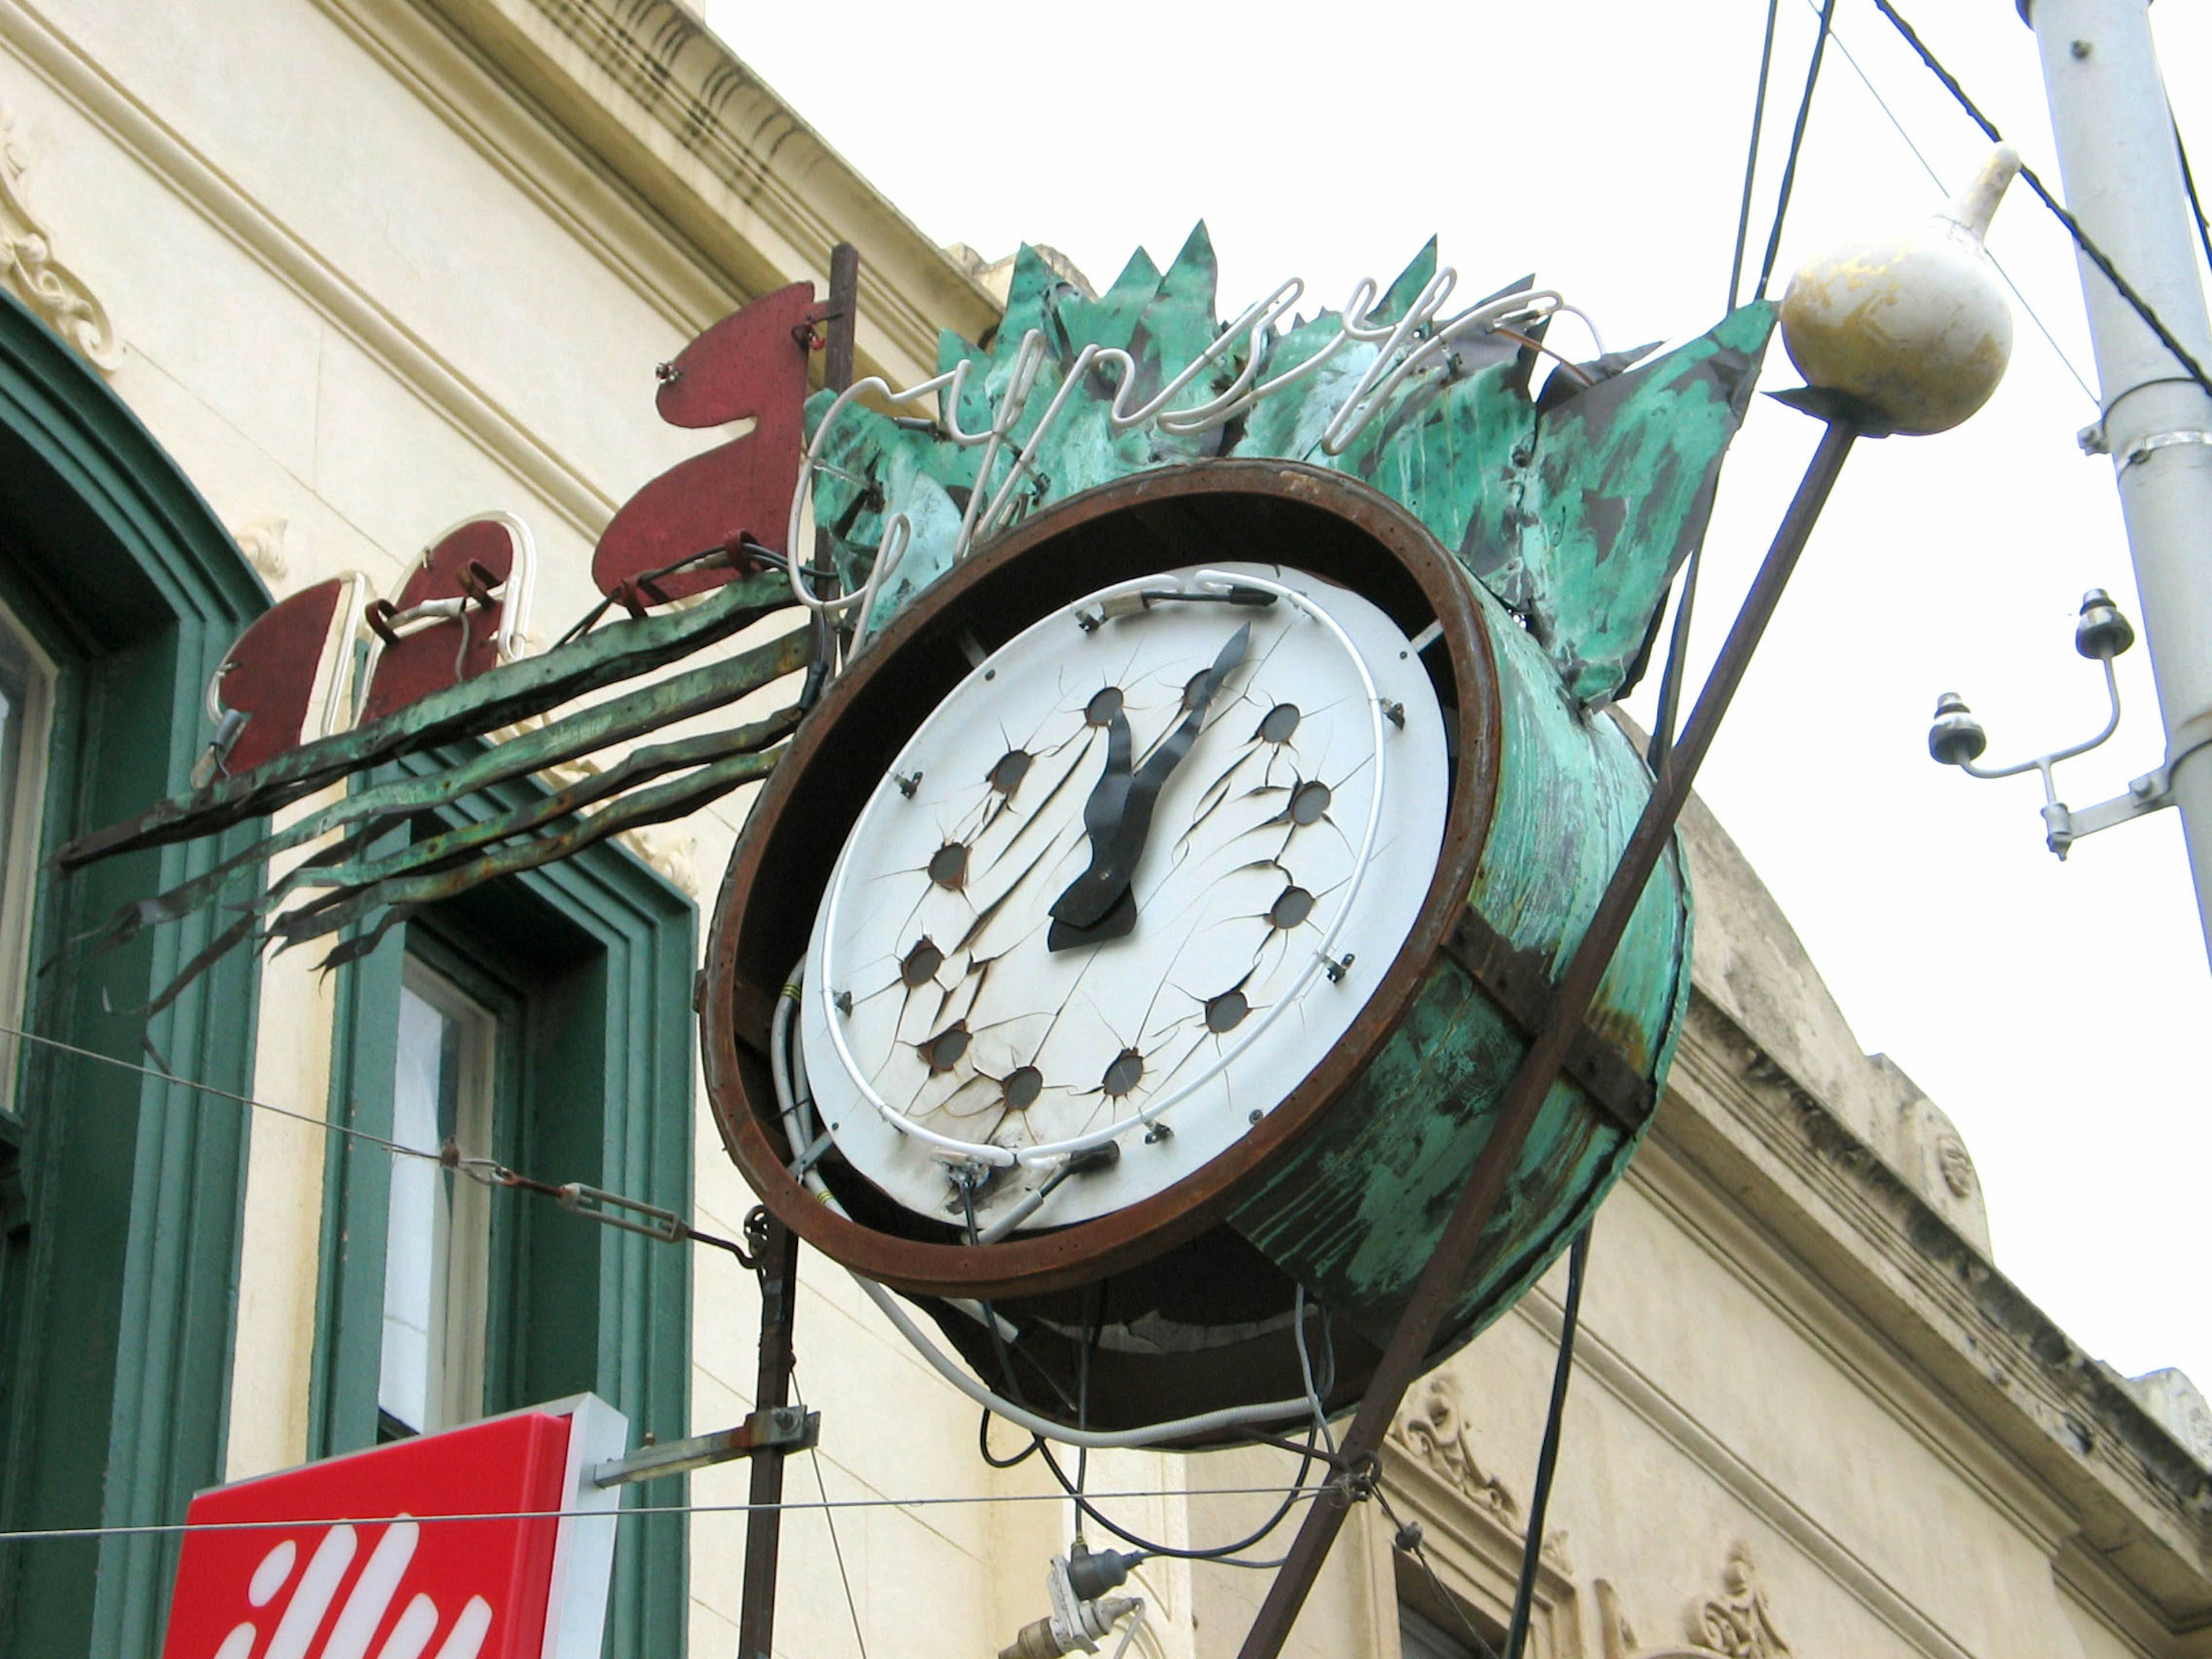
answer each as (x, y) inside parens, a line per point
(1226, 1012)
(1279, 723)
(1308, 802)
(920, 965)
(943, 1051)
(948, 866)
(1006, 775)
(1126, 1072)
(1103, 707)
(1291, 905)
(1022, 1087)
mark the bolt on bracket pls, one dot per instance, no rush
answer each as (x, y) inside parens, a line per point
(780, 1428)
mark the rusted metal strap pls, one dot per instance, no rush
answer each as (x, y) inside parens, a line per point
(1520, 983)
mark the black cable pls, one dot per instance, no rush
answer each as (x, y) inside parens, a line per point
(1796, 144)
(1751, 156)
(1548, 1460)
(2189, 184)
(1221, 1553)
(983, 1445)
(2096, 255)
(1410, 1541)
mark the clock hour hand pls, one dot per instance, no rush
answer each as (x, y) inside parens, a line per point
(1101, 894)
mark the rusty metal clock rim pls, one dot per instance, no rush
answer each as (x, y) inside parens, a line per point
(1089, 1250)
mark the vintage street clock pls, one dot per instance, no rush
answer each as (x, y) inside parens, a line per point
(1158, 906)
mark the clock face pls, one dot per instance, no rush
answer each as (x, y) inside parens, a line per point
(1122, 890)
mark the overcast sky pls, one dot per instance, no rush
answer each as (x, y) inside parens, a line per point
(2047, 1008)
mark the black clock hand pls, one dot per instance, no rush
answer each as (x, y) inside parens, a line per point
(1101, 893)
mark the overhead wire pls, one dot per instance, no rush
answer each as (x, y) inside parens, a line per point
(1751, 156)
(1797, 145)
(829, 1520)
(487, 1171)
(168, 1529)
(2189, 184)
(1936, 179)
(2095, 254)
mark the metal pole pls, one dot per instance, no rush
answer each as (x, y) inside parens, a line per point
(1441, 1282)
(779, 1256)
(764, 1524)
(2122, 171)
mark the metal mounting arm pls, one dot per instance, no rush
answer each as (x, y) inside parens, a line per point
(1957, 738)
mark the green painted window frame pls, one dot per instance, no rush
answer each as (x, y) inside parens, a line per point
(590, 960)
(119, 1243)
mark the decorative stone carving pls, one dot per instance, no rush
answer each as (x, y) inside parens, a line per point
(1950, 1156)
(1737, 1624)
(28, 265)
(1435, 1431)
(672, 852)
(263, 543)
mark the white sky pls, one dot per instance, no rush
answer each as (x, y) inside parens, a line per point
(1600, 142)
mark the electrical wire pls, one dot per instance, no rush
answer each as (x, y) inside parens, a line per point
(2096, 255)
(487, 1171)
(1751, 155)
(2189, 184)
(1796, 144)
(1221, 1554)
(1936, 179)
(1410, 1541)
(829, 1520)
(169, 1529)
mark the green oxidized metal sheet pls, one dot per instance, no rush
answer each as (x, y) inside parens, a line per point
(1356, 1215)
(1574, 506)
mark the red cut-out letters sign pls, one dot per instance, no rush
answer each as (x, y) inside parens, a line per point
(339, 1579)
(751, 365)
(432, 658)
(270, 674)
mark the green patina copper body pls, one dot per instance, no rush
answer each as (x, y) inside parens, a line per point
(1356, 1216)
(1573, 507)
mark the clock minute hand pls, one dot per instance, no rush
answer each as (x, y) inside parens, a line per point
(1117, 847)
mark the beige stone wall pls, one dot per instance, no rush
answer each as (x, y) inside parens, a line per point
(376, 266)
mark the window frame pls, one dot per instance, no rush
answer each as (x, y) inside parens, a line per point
(603, 1093)
(122, 1195)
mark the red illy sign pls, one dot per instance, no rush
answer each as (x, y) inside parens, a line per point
(347, 1560)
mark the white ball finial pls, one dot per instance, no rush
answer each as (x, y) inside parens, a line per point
(1914, 326)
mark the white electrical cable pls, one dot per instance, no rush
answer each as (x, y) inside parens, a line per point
(796, 1127)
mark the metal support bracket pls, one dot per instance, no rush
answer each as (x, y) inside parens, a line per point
(1520, 983)
(2151, 443)
(2148, 793)
(782, 1428)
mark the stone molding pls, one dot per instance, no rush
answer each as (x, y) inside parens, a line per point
(60, 298)
(2059, 1443)
(732, 168)
(262, 541)
(505, 439)
(1599, 1361)
(1737, 1624)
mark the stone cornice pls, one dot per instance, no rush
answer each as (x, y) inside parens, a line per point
(1797, 1173)
(730, 169)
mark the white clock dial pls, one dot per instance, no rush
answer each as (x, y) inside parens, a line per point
(1126, 887)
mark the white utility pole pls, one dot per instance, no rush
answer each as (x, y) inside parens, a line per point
(2122, 169)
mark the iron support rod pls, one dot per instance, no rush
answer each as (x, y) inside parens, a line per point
(764, 1522)
(1442, 1281)
(779, 1259)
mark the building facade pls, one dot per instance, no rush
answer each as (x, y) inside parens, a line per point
(295, 285)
